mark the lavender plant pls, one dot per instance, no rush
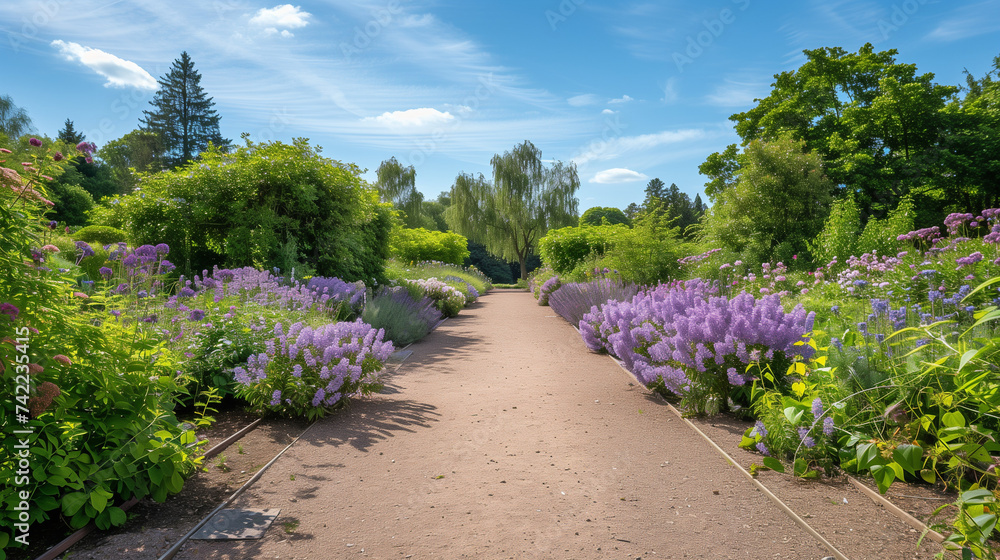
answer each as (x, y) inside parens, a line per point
(574, 300)
(306, 372)
(680, 339)
(403, 319)
(548, 287)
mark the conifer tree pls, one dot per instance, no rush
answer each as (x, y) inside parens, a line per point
(183, 115)
(70, 135)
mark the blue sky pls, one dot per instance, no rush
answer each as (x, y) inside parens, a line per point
(627, 90)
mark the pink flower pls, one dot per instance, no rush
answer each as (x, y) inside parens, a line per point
(51, 248)
(62, 359)
(35, 142)
(58, 156)
(5, 151)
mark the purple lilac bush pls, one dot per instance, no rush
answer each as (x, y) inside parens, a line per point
(573, 301)
(306, 371)
(681, 338)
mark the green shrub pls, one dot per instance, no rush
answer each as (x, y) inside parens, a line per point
(102, 235)
(264, 205)
(880, 234)
(418, 245)
(839, 237)
(404, 319)
(565, 248)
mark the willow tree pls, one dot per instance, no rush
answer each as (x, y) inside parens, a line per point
(397, 185)
(522, 203)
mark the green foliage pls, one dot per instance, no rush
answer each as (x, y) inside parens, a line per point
(131, 156)
(778, 203)
(72, 203)
(257, 205)
(397, 271)
(880, 234)
(95, 394)
(565, 248)
(404, 319)
(839, 237)
(522, 203)
(599, 215)
(103, 235)
(397, 185)
(14, 121)
(419, 244)
(647, 254)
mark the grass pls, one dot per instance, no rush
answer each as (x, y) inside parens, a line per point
(396, 270)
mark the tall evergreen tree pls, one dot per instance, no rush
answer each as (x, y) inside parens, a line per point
(182, 114)
(70, 135)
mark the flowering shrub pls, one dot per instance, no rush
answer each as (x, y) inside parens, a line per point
(306, 371)
(574, 300)
(548, 287)
(447, 298)
(681, 339)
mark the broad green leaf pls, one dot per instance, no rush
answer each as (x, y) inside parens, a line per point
(99, 499)
(883, 477)
(774, 464)
(978, 496)
(910, 457)
(868, 455)
(953, 419)
(72, 502)
(799, 388)
(969, 355)
(117, 515)
(897, 470)
(985, 522)
(928, 475)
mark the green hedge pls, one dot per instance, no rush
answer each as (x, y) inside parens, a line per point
(418, 245)
(104, 235)
(563, 249)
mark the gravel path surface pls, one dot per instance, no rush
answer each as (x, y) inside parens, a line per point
(501, 436)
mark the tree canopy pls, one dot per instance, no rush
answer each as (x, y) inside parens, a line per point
(397, 185)
(14, 121)
(598, 215)
(510, 214)
(183, 115)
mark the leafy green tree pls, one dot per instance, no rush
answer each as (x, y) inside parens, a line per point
(266, 205)
(523, 202)
(632, 210)
(397, 184)
(599, 215)
(183, 115)
(875, 122)
(14, 121)
(70, 135)
(778, 202)
(132, 155)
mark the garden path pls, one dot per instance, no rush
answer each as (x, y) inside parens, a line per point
(501, 436)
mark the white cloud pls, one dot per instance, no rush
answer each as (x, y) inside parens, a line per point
(424, 116)
(582, 100)
(670, 90)
(286, 33)
(601, 150)
(622, 99)
(285, 16)
(618, 175)
(120, 73)
(608, 112)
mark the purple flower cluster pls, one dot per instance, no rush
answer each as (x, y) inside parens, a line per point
(677, 333)
(550, 286)
(573, 301)
(307, 368)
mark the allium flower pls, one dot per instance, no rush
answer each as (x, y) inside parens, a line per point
(106, 272)
(35, 142)
(85, 249)
(196, 315)
(53, 224)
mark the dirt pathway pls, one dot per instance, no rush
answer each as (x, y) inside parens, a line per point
(502, 437)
